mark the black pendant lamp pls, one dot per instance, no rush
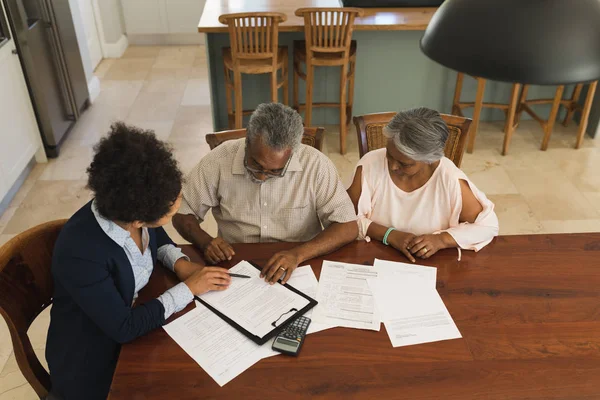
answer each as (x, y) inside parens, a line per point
(543, 42)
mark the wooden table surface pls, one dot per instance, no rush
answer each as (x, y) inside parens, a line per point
(375, 19)
(528, 308)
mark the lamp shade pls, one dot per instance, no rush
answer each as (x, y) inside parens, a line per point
(543, 42)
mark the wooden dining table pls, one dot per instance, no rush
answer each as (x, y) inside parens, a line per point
(528, 309)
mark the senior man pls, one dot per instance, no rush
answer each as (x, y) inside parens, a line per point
(268, 187)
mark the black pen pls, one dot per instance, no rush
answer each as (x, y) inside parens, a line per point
(239, 276)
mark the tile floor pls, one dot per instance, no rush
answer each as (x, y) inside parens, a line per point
(166, 89)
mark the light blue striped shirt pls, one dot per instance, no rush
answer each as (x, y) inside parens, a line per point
(174, 299)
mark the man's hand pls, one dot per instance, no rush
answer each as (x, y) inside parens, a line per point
(284, 262)
(207, 279)
(400, 241)
(425, 246)
(218, 250)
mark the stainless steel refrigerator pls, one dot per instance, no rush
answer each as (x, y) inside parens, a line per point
(47, 45)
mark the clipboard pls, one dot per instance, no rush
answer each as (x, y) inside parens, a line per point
(276, 328)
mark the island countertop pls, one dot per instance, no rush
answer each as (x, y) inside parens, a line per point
(375, 19)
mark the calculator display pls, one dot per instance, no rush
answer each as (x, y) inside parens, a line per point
(290, 344)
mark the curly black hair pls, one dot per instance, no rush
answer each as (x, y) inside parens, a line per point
(134, 176)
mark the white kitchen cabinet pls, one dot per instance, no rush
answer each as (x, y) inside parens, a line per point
(143, 17)
(19, 134)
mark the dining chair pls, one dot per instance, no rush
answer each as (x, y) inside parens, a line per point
(571, 104)
(328, 42)
(254, 39)
(312, 137)
(26, 288)
(510, 110)
(369, 128)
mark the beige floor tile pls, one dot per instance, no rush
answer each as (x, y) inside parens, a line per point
(13, 384)
(71, 164)
(39, 329)
(493, 181)
(34, 175)
(176, 57)
(117, 95)
(11, 377)
(155, 107)
(3, 239)
(593, 198)
(192, 123)
(196, 93)
(582, 167)
(130, 69)
(551, 195)
(103, 67)
(5, 340)
(23, 392)
(200, 72)
(142, 51)
(6, 217)
(188, 156)
(47, 201)
(165, 80)
(162, 129)
(572, 226)
(515, 215)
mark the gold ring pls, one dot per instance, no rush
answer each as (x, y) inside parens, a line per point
(282, 268)
(425, 248)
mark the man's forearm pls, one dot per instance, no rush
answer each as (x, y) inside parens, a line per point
(332, 238)
(190, 230)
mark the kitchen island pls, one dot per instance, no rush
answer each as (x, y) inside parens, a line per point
(391, 72)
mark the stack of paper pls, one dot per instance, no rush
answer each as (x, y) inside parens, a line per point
(345, 298)
(411, 308)
(220, 349)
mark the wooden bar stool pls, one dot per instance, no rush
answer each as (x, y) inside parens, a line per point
(255, 49)
(509, 109)
(571, 104)
(328, 34)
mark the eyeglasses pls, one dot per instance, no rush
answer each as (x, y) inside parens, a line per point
(256, 169)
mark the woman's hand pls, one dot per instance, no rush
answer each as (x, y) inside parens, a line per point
(425, 246)
(207, 279)
(400, 241)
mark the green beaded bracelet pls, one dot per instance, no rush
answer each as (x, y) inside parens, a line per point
(385, 237)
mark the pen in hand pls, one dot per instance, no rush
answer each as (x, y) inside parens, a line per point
(239, 276)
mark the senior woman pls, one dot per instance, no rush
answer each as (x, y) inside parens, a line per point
(105, 255)
(408, 195)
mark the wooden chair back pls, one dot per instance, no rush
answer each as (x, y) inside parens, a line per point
(26, 288)
(312, 137)
(369, 128)
(253, 35)
(328, 30)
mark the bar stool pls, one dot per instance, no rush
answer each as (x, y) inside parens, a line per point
(254, 39)
(328, 34)
(509, 109)
(572, 105)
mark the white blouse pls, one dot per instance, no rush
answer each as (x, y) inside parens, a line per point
(435, 207)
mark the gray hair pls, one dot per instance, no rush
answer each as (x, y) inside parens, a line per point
(418, 133)
(279, 126)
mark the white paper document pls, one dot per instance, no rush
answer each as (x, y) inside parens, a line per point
(408, 274)
(220, 349)
(345, 298)
(304, 280)
(412, 315)
(254, 304)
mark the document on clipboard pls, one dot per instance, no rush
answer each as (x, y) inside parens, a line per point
(255, 307)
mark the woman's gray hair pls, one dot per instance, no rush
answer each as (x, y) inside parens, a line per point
(279, 126)
(418, 133)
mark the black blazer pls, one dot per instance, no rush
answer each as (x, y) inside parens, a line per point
(92, 313)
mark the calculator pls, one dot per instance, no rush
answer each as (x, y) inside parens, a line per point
(289, 340)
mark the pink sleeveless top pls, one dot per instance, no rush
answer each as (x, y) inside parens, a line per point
(435, 207)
